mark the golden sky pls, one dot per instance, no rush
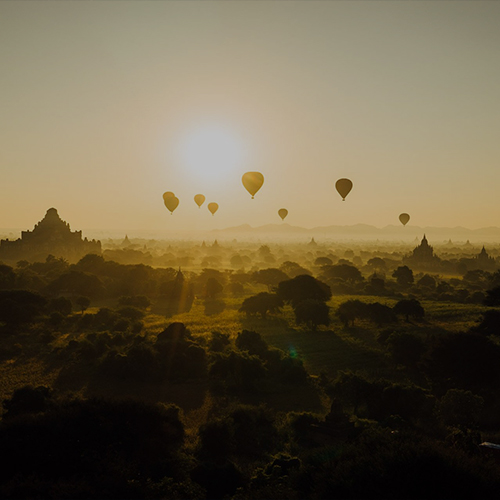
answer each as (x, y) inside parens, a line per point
(105, 105)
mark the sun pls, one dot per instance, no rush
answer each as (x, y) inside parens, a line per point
(212, 152)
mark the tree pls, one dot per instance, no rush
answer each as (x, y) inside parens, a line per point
(91, 263)
(18, 307)
(252, 342)
(312, 313)
(323, 261)
(303, 287)
(377, 264)
(380, 314)
(270, 277)
(83, 303)
(7, 277)
(404, 276)
(490, 324)
(351, 310)
(293, 269)
(262, 303)
(212, 288)
(344, 272)
(61, 305)
(351, 389)
(409, 308)
(132, 313)
(78, 283)
(492, 297)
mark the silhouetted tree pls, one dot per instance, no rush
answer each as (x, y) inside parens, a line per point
(262, 303)
(303, 287)
(409, 308)
(323, 261)
(18, 307)
(492, 297)
(351, 310)
(351, 389)
(27, 400)
(78, 283)
(61, 305)
(83, 303)
(218, 341)
(212, 288)
(270, 277)
(293, 269)
(377, 263)
(490, 324)
(312, 313)
(380, 314)
(7, 277)
(252, 342)
(404, 276)
(344, 272)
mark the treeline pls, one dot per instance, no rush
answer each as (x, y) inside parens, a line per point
(413, 438)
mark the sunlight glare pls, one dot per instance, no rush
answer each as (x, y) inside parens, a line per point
(212, 152)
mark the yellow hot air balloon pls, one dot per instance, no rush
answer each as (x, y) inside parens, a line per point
(253, 182)
(171, 202)
(213, 207)
(343, 187)
(282, 212)
(199, 199)
(404, 218)
(168, 194)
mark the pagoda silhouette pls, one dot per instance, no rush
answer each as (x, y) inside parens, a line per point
(422, 257)
(51, 236)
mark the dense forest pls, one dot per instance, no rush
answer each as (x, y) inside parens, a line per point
(247, 371)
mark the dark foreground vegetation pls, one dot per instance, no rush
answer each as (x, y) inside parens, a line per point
(298, 379)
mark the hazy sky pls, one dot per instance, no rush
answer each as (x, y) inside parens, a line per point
(106, 105)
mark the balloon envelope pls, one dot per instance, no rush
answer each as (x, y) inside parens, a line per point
(253, 182)
(282, 212)
(168, 194)
(343, 187)
(213, 207)
(171, 202)
(199, 199)
(404, 218)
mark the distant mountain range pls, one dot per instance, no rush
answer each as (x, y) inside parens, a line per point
(284, 232)
(365, 231)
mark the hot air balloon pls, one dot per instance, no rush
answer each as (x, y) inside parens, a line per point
(213, 207)
(199, 199)
(343, 187)
(282, 212)
(168, 194)
(404, 218)
(171, 202)
(253, 182)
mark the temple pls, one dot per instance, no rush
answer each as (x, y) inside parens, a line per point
(481, 261)
(51, 236)
(422, 256)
